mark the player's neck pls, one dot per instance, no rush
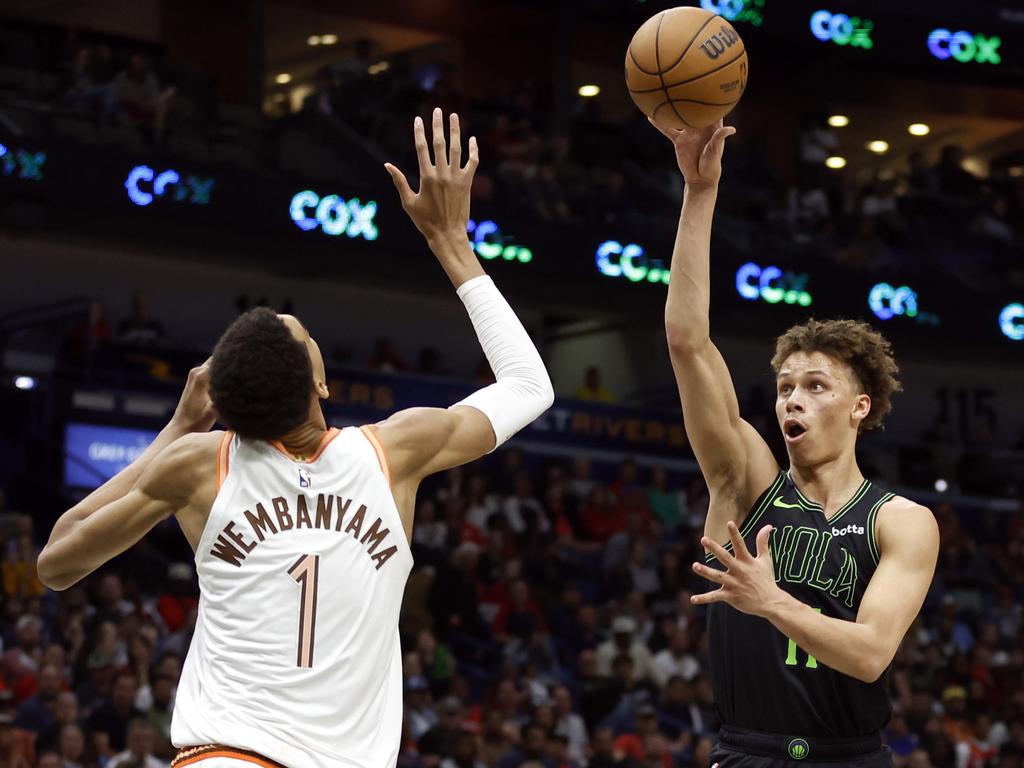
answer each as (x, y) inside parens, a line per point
(830, 483)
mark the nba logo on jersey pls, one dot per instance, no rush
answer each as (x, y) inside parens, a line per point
(305, 479)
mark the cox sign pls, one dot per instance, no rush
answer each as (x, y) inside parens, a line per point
(842, 29)
(1011, 321)
(489, 243)
(144, 185)
(334, 215)
(29, 165)
(964, 47)
(617, 260)
(887, 302)
(737, 10)
(772, 285)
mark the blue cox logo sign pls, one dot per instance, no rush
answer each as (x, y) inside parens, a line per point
(617, 260)
(334, 215)
(772, 285)
(842, 29)
(144, 185)
(488, 242)
(964, 47)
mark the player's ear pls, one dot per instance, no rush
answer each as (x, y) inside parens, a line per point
(320, 387)
(861, 407)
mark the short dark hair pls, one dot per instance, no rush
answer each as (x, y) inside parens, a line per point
(856, 344)
(260, 377)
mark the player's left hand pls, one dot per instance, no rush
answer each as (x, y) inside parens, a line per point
(441, 205)
(748, 582)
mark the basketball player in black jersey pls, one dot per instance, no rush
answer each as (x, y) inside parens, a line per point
(819, 572)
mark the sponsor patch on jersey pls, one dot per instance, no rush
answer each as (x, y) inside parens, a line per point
(799, 749)
(847, 529)
(305, 478)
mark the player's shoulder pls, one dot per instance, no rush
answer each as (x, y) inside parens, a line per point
(906, 519)
(190, 454)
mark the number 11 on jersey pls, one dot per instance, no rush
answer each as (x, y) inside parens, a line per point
(812, 663)
(306, 572)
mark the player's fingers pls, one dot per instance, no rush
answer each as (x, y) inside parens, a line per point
(739, 548)
(454, 141)
(716, 549)
(405, 192)
(715, 596)
(474, 157)
(718, 139)
(420, 139)
(668, 133)
(711, 574)
(437, 128)
(762, 542)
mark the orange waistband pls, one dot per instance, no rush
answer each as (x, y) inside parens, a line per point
(192, 755)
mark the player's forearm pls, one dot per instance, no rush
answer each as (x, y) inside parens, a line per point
(453, 251)
(523, 389)
(117, 486)
(689, 291)
(845, 646)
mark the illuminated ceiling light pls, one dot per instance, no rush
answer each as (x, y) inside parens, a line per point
(313, 40)
(283, 79)
(878, 146)
(587, 91)
(380, 66)
(839, 121)
(25, 382)
(918, 129)
(835, 162)
(941, 485)
(328, 39)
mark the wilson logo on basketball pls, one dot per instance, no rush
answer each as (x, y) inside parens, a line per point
(715, 45)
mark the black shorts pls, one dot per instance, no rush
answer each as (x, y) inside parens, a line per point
(740, 748)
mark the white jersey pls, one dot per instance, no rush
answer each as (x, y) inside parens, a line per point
(302, 567)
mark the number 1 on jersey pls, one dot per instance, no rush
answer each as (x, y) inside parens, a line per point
(306, 572)
(812, 663)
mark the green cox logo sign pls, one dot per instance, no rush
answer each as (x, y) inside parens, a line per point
(799, 749)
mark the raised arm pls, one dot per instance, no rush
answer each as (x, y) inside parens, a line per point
(123, 509)
(735, 461)
(421, 441)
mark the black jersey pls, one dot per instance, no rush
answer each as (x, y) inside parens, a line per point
(762, 680)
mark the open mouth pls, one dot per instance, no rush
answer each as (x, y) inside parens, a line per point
(794, 431)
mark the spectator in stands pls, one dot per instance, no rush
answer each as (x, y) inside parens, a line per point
(39, 712)
(72, 748)
(386, 358)
(592, 389)
(667, 504)
(137, 100)
(87, 334)
(88, 79)
(675, 660)
(139, 329)
(108, 724)
(139, 751)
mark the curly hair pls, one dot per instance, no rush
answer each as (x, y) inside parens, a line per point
(858, 345)
(260, 377)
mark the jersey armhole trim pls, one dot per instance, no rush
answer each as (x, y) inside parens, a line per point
(224, 457)
(872, 519)
(755, 514)
(382, 457)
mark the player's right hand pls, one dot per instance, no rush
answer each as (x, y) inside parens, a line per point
(699, 152)
(441, 206)
(195, 411)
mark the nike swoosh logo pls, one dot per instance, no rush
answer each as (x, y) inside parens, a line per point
(783, 505)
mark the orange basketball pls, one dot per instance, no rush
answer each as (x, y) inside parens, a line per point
(686, 68)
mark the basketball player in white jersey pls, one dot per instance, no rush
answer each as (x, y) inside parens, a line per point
(301, 532)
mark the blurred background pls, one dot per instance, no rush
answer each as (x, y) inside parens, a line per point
(165, 165)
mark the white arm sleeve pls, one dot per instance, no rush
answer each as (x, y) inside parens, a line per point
(523, 390)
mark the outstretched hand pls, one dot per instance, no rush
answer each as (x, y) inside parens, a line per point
(441, 205)
(748, 582)
(699, 152)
